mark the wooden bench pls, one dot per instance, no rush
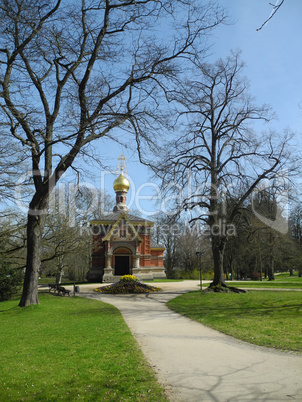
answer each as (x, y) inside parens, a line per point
(52, 286)
(61, 290)
(58, 288)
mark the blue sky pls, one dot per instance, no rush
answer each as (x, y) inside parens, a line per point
(273, 58)
(272, 55)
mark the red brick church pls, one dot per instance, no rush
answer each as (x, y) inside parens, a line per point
(122, 242)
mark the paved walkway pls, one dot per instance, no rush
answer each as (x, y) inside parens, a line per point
(196, 363)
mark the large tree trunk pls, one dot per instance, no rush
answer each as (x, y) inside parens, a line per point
(232, 270)
(60, 269)
(35, 228)
(271, 270)
(218, 248)
(261, 267)
(260, 264)
(218, 284)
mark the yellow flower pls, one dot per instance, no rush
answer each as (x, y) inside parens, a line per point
(129, 278)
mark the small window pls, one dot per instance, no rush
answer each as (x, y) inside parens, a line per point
(122, 233)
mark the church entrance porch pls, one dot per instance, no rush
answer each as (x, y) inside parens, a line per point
(122, 265)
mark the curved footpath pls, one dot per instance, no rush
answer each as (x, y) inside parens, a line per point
(196, 363)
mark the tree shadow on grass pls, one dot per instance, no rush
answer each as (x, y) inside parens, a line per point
(242, 311)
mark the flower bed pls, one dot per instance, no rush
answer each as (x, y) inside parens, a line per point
(127, 284)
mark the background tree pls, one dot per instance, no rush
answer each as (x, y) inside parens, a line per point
(10, 281)
(182, 242)
(61, 242)
(295, 224)
(13, 163)
(258, 249)
(12, 255)
(219, 159)
(167, 231)
(193, 240)
(66, 241)
(13, 239)
(74, 72)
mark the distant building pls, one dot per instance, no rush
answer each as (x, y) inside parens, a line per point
(122, 242)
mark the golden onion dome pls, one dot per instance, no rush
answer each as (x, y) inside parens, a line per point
(121, 183)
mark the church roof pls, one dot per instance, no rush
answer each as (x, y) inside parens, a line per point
(114, 216)
(116, 225)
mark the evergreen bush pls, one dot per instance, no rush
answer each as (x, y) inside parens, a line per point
(10, 281)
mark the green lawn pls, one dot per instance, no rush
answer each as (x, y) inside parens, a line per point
(272, 319)
(71, 349)
(282, 281)
(65, 281)
(286, 276)
(265, 284)
(288, 284)
(165, 280)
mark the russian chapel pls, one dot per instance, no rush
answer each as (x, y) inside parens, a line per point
(122, 243)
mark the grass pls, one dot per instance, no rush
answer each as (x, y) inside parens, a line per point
(265, 284)
(286, 276)
(65, 281)
(71, 349)
(282, 281)
(165, 280)
(272, 319)
(46, 281)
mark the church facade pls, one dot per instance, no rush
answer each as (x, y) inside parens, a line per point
(122, 243)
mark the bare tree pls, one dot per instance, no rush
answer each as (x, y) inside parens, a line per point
(13, 239)
(74, 72)
(60, 242)
(219, 160)
(274, 10)
(63, 241)
(296, 234)
(167, 231)
(13, 162)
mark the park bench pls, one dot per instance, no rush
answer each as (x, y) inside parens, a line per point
(60, 289)
(52, 286)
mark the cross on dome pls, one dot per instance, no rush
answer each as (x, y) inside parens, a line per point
(121, 185)
(121, 167)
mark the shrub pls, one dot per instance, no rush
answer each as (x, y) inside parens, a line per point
(194, 274)
(255, 276)
(10, 281)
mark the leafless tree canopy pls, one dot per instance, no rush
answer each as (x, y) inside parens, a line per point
(74, 72)
(71, 73)
(219, 159)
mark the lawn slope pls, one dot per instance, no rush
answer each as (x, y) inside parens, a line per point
(71, 349)
(266, 318)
